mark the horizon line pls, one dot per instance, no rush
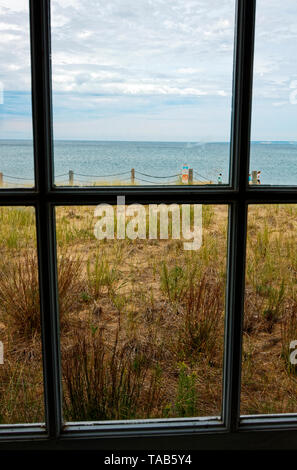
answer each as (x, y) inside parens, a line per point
(156, 141)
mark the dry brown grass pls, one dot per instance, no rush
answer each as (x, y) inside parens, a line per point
(113, 378)
(19, 291)
(203, 316)
(19, 294)
(173, 320)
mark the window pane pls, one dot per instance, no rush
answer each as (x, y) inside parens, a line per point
(142, 91)
(270, 321)
(144, 316)
(21, 377)
(16, 147)
(274, 140)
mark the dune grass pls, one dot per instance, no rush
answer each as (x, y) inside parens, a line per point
(142, 321)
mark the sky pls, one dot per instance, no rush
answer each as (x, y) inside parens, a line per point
(149, 70)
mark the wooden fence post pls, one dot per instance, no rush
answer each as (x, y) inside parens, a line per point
(254, 177)
(190, 175)
(71, 177)
(1, 180)
(132, 176)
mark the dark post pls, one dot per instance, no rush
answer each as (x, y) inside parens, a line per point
(132, 176)
(71, 177)
(191, 176)
(1, 180)
(254, 177)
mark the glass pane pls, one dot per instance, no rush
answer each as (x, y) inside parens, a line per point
(16, 146)
(143, 310)
(270, 321)
(142, 91)
(274, 140)
(21, 377)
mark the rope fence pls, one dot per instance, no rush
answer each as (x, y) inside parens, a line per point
(129, 176)
(152, 176)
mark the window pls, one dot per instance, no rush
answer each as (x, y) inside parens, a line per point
(16, 149)
(21, 372)
(131, 82)
(274, 102)
(248, 213)
(145, 305)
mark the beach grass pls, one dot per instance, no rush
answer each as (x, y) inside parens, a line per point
(146, 318)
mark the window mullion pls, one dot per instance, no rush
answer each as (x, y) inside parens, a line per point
(240, 146)
(42, 132)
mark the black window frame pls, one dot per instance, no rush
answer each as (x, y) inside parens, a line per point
(229, 432)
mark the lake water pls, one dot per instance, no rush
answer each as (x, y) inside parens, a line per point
(112, 161)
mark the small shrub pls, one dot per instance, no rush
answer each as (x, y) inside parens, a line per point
(69, 284)
(19, 294)
(19, 291)
(100, 275)
(175, 282)
(199, 332)
(108, 381)
(263, 307)
(185, 404)
(272, 312)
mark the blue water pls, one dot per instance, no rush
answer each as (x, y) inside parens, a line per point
(112, 161)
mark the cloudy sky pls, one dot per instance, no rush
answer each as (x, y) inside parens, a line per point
(150, 69)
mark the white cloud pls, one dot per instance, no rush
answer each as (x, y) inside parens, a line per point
(188, 70)
(140, 42)
(160, 54)
(279, 103)
(154, 42)
(9, 26)
(14, 5)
